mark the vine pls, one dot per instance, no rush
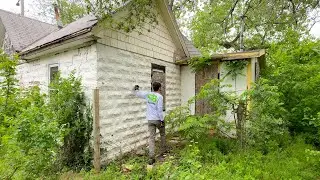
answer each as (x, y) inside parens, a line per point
(234, 68)
(199, 63)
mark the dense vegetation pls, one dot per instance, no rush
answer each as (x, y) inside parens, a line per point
(40, 134)
(276, 134)
(276, 137)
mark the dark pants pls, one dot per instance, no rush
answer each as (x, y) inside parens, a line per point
(152, 125)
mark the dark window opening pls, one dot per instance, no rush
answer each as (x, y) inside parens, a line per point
(53, 72)
(158, 74)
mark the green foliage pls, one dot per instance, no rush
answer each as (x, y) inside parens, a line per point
(235, 68)
(217, 26)
(294, 69)
(68, 104)
(199, 63)
(70, 10)
(8, 85)
(196, 126)
(34, 136)
(216, 158)
(40, 136)
(267, 125)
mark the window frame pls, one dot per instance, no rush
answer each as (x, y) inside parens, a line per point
(50, 66)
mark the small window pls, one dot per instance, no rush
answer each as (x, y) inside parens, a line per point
(53, 70)
(158, 74)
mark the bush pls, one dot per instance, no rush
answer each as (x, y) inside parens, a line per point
(294, 67)
(41, 135)
(69, 108)
(267, 126)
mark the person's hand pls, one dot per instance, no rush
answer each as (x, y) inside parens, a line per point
(136, 87)
(162, 124)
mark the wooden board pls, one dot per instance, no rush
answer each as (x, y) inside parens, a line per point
(202, 77)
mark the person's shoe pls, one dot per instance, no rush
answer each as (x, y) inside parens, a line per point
(151, 161)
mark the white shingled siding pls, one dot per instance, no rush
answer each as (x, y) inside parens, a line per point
(154, 42)
(122, 115)
(82, 60)
(123, 61)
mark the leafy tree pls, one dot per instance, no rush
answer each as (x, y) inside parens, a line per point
(294, 68)
(8, 84)
(138, 12)
(70, 10)
(218, 25)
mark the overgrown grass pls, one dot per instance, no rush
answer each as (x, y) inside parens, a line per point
(219, 158)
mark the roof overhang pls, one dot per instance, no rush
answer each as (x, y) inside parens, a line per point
(233, 56)
(239, 55)
(60, 46)
(73, 39)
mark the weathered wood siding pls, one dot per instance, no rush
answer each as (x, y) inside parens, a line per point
(202, 77)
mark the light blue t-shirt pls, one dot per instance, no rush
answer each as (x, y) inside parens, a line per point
(154, 104)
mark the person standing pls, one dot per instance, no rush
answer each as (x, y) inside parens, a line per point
(155, 117)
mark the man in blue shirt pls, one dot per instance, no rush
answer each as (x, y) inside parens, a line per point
(154, 116)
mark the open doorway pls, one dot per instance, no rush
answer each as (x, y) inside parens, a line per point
(158, 74)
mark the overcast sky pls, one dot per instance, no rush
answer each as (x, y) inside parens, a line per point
(10, 5)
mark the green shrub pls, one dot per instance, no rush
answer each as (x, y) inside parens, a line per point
(69, 108)
(294, 67)
(41, 135)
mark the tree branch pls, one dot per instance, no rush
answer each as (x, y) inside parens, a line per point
(294, 12)
(232, 43)
(231, 10)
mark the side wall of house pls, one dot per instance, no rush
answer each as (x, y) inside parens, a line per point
(188, 87)
(82, 60)
(125, 60)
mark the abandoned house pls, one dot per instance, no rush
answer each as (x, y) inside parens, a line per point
(112, 62)
(108, 60)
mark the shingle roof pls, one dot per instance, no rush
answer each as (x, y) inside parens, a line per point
(73, 29)
(23, 31)
(193, 51)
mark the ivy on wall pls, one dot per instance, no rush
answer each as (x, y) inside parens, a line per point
(234, 68)
(199, 63)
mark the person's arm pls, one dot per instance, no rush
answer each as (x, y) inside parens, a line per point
(160, 108)
(141, 94)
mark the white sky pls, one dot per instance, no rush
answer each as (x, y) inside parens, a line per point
(10, 5)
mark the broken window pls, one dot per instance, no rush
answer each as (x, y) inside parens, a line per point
(158, 74)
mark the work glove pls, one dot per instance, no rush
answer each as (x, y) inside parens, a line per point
(136, 87)
(162, 124)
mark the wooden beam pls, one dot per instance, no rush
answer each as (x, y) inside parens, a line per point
(96, 131)
(239, 55)
(230, 56)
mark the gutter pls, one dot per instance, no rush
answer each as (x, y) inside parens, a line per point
(76, 34)
(53, 48)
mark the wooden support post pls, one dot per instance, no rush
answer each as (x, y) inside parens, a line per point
(96, 131)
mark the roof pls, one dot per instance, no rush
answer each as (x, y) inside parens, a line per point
(233, 56)
(193, 51)
(239, 55)
(23, 31)
(74, 29)
(85, 25)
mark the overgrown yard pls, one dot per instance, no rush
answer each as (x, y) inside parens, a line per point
(276, 132)
(217, 158)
